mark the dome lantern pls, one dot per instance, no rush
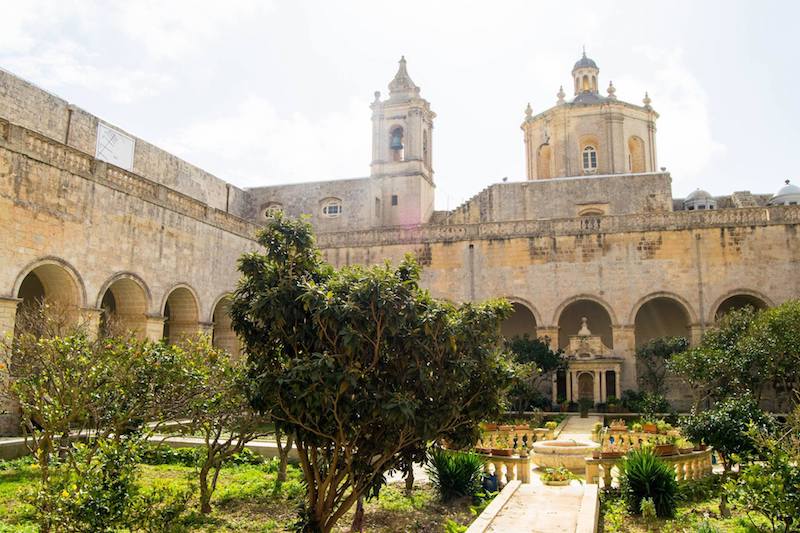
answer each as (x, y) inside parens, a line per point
(585, 74)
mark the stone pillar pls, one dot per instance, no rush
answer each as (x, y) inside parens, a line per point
(555, 388)
(9, 410)
(551, 332)
(619, 392)
(625, 346)
(206, 328)
(603, 387)
(91, 319)
(154, 327)
(695, 334)
(569, 385)
(596, 383)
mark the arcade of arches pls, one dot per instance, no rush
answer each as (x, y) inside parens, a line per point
(587, 333)
(122, 304)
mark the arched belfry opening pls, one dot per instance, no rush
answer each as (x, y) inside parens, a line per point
(520, 323)
(739, 301)
(180, 315)
(572, 318)
(396, 146)
(661, 317)
(223, 336)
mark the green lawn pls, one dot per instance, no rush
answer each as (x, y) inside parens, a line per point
(248, 500)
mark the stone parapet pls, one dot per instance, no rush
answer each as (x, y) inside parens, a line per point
(40, 148)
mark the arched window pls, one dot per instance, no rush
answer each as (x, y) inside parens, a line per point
(589, 160)
(636, 155)
(594, 83)
(543, 162)
(585, 83)
(396, 144)
(332, 207)
(272, 209)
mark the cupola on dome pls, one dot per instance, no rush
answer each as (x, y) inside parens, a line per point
(585, 62)
(787, 195)
(699, 200)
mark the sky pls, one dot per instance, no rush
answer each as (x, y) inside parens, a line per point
(270, 92)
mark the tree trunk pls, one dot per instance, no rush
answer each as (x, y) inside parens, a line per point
(410, 479)
(358, 519)
(205, 493)
(283, 454)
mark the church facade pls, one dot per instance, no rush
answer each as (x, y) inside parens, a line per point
(592, 248)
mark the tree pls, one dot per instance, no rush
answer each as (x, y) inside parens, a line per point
(651, 362)
(726, 427)
(99, 392)
(360, 364)
(773, 340)
(534, 362)
(718, 368)
(218, 410)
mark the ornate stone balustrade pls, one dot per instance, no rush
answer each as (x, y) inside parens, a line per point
(514, 438)
(507, 469)
(694, 465)
(40, 148)
(625, 440)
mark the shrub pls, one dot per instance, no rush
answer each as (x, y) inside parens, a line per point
(700, 490)
(551, 425)
(166, 455)
(455, 474)
(643, 475)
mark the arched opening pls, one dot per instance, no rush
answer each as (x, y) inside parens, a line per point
(661, 317)
(636, 154)
(738, 301)
(543, 162)
(223, 335)
(180, 315)
(586, 386)
(124, 306)
(611, 384)
(520, 322)
(53, 283)
(594, 83)
(586, 85)
(425, 152)
(597, 318)
(396, 144)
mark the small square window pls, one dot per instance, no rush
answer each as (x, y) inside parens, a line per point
(394, 199)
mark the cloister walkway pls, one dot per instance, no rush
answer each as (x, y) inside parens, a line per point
(537, 508)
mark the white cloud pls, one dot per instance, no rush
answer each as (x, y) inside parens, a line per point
(256, 145)
(685, 142)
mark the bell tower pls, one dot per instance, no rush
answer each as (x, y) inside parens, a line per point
(402, 130)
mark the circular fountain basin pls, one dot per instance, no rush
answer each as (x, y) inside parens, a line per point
(570, 454)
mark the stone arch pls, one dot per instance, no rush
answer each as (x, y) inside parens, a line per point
(181, 310)
(126, 298)
(397, 143)
(51, 278)
(660, 315)
(586, 84)
(636, 159)
(222, 335)
(600, 315)
(737, 299)
(544, 157)
(525, 319)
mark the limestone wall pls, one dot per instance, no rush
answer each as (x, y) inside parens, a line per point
(27, 105)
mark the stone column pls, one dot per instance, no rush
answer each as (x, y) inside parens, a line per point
(625, 346)
(551, 332)
(603, 391)
(154, 327)
(596, 383)
(619, 392)
(206, 328)
(91, 319)
(569, 385)
(9, 410)
(695, 334)
(555, 388)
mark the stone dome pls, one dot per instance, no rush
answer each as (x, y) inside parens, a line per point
(787, 195)
(699, 200)
(584, 62)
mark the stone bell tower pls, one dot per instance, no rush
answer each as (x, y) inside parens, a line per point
(402, 153)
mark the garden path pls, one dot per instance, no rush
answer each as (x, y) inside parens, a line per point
(537, 508)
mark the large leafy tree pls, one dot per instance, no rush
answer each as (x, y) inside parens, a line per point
(534, 362)
(651, 362)
(361, 364)
(718, 367)
(773, 340)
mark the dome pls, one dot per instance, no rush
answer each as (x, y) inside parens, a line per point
(699, 194)
(787, 195)
(585, 62)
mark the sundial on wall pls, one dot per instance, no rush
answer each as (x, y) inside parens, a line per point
(114, 147)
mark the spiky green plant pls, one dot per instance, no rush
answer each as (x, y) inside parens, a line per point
(643, 475)
(455, 474)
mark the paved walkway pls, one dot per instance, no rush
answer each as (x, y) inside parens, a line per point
(537, 508)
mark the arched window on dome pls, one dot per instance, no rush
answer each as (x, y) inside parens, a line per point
(636, 161)
(594, 83)
(589, 160)
(543, 162)
(586, 86)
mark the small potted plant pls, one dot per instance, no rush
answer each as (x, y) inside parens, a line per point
(636, 427)
(663, 427)
(551, 425)
(612, 404)
(489, 427)
(503, 447)
(557, 477)
(612, 453)
(505, 427)
(485, 451)
(563, 405)
(668, 447)
(649, 426)
(684, 446)
(520, 425)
